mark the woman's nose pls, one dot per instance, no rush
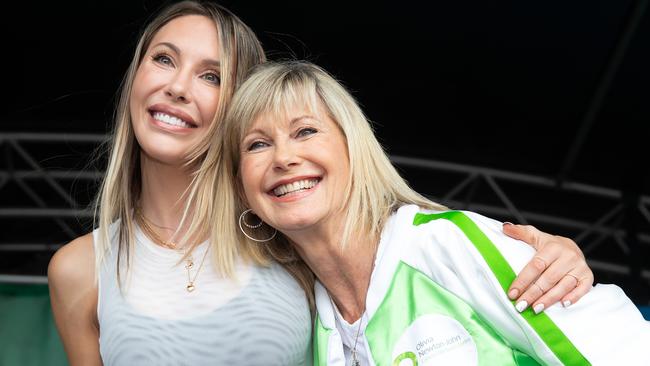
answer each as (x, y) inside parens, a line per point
(178, 88)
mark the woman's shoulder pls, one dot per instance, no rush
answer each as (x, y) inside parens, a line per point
(74, 263)
(416, 216)
(464, 234)
(73, 290)
(439, 229)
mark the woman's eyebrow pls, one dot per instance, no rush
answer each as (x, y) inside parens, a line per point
(211, 63)
(300, 118)
(207, 62)
(169, 45)
(254, 131)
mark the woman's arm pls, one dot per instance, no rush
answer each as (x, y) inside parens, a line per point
(604, 328)
(557, 272)
(73, 293)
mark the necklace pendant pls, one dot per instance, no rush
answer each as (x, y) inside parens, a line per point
(189, 264)
(355, 360)
(190, 287)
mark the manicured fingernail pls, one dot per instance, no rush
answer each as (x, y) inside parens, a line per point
(507, 223)
(566, 303)
(538, 308)
(513, 294)
(521, 305)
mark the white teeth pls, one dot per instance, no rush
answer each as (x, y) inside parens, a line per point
(295, 186)
(170, 120)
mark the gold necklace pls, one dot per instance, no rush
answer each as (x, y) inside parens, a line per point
(188, 265)
(150, 232)
(189, 262)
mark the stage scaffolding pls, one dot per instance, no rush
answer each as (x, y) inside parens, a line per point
(33, 190)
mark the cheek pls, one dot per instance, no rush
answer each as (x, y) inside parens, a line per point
(209, 105)
(342, 174)
(249, 181)
(134, 98)
(142, 86)
(339, 161)
(145, 80)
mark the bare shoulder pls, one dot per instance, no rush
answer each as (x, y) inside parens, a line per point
(73, 295)
(71, 277)
(73, 264)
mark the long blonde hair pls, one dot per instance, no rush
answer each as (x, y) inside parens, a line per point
(121, 186)
(374, 190)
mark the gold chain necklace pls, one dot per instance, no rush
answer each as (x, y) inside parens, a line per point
(145, 224)
(188, 265)
(150, 232)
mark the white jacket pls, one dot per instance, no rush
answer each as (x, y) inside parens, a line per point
(437, 296)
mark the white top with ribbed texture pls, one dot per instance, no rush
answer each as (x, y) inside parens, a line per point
(259, 318)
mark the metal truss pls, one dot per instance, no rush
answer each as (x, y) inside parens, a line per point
(602, 228)
(502, 194)
(22, 170)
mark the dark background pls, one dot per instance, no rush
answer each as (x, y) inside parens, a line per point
(551, 89)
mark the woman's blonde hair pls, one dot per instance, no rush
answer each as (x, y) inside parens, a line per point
(374, 190)
(120, 189)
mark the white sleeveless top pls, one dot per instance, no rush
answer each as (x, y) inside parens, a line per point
(260, 318)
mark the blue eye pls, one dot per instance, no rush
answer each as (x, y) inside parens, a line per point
(306, 132)
(212, 78)
(256, 145)
(162, 58)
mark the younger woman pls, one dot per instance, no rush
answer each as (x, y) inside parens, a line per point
(132, 292)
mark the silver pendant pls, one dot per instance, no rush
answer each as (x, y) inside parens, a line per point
(355, 360)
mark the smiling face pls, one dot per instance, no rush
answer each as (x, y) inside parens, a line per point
(176, 89)
(294, 169)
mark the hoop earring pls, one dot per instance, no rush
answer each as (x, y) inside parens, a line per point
(242, 223)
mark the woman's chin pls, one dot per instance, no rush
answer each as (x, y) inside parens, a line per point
(164, 148)
(166, 156)
(296, 225)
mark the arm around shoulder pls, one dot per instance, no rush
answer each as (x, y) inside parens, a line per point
(604, 328)
(73, 293)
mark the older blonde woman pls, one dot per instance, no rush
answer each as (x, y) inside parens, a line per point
(401, 280)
